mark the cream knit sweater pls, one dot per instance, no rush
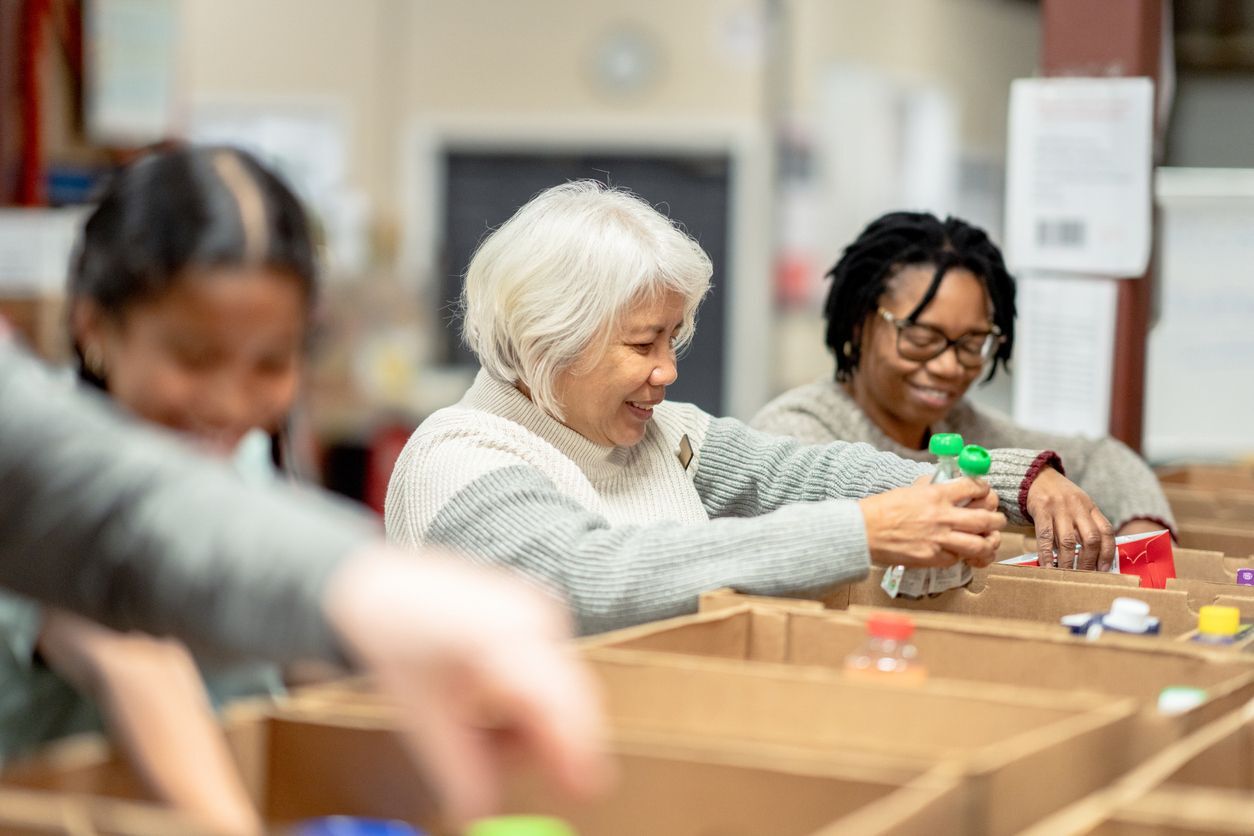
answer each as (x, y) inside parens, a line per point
(631, 534)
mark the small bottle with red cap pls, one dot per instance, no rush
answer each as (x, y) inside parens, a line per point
(888, 654)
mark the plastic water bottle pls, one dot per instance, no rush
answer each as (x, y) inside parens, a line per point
(973, 462)
(915, 583)
(887, 655)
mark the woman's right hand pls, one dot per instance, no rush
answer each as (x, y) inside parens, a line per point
(927, 525)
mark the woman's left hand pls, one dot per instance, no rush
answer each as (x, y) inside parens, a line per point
(1066, 517)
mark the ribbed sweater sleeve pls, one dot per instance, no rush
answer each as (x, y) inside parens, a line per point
(820, 413)
(742, 472)
(619, 575)
(125, 525)
(1118, 480)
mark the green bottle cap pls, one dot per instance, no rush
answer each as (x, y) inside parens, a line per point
(974, 460)
(520, 826)
(945, 444)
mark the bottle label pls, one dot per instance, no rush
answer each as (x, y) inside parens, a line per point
(908, 583)
(950, 577)
(892, 580)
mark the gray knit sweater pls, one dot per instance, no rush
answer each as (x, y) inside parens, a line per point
(631, 534)
(1117, 479)
(123, 524)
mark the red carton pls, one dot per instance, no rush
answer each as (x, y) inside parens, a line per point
(1148, 556)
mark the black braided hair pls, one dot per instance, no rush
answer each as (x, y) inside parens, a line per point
(902, 239)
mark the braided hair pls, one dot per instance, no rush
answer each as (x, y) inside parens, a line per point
(903, 239)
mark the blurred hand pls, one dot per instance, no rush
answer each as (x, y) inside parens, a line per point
(1065, 517)
(925, 525)
(480, 669)
(152, 697)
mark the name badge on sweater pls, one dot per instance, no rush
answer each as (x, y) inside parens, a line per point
(685, 451)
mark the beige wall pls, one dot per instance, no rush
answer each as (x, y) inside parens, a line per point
(971, 48)
(390, 61)
(400, 66)
(316, 50)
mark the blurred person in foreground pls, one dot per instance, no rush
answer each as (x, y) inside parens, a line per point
(190, 297)
(918, 309)
(564, 459)
(127, 526)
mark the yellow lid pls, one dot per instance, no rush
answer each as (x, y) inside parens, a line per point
(1219, 621)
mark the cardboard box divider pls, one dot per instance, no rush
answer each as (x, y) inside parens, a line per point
(1005, 738)
(1199, 785)
(1231, 477)
(1232, 540)
(1121, 667)
(1035, 595)
(1190, 504)
(318, 756)
(1205, 577)
(26, 812)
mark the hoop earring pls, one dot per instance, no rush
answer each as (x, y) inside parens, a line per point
(93, 360)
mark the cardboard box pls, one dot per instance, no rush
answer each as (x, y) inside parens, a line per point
(36, 813)
(1025, 752)
(304, 761)
(1204, 565)
(1033, 594)
(1039, 595)
(1124, 667)
(1235, 540)
(1203, 784)
(1191, 504)
(1231, 477)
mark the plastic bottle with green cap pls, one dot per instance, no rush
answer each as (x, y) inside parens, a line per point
(915, 583)
(520, 826)
(973, 462)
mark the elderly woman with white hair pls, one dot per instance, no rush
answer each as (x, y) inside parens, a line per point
(564, 461)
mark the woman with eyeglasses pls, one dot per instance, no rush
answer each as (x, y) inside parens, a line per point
(919, 309)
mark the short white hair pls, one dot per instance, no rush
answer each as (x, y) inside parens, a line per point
(555, 279)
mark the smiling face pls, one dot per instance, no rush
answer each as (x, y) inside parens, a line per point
(906, 397)
(213, 356)
(609, 397)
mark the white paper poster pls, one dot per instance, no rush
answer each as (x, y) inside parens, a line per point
(35, 247)
(1199, 376)
(132, 69)
(1064, 353)
(1078, 175)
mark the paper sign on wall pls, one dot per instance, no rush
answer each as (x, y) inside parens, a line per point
(1078, 175)
(1064, 354)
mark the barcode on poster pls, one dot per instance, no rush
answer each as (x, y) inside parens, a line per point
(1061, 232)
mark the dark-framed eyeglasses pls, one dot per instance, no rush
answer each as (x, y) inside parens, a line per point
(922, 343)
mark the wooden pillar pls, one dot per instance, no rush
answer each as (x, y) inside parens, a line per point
(1111, 38)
